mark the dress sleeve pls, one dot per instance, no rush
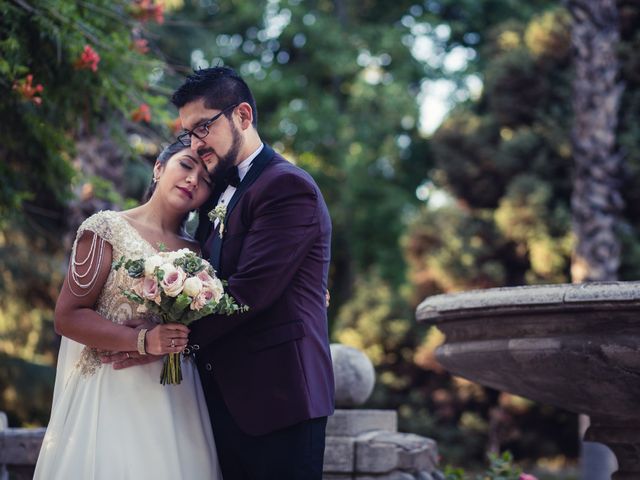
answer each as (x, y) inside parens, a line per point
(84, 264)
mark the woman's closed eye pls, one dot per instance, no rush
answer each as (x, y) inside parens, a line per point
(204, 177)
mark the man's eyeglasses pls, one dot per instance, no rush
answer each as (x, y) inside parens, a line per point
(202, 130)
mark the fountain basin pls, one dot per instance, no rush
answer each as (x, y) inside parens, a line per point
(573, 346)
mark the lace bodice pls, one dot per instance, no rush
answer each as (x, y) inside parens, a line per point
(112, 304)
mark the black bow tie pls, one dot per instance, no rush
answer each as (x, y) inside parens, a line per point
(231, 177)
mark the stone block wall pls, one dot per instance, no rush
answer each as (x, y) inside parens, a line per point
(366, 445)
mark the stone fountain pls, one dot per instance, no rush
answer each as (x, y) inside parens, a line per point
(573, 346)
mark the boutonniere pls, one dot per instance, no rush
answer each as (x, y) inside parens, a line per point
(218, 213)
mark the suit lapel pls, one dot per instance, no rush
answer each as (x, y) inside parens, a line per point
(260, 162)
(252, 175)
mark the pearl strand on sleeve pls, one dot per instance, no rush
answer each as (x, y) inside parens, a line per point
(94, 269)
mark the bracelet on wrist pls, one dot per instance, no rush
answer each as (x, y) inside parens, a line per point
(142, 336)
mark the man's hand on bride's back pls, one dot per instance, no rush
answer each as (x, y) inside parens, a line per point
(121, 360)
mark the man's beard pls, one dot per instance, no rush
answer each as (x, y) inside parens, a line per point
(225, 162)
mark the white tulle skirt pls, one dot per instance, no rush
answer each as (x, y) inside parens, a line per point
(123, 424)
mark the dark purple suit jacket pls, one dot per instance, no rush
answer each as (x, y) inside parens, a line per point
(272, 363)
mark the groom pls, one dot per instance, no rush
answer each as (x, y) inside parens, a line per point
(266, 373)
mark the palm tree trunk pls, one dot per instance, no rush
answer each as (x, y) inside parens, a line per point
(596, 202)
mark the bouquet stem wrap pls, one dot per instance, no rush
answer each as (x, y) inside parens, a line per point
(171, 364)
(171, 369)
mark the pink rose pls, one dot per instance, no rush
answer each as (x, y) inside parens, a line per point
(204, 297)
(204, 277)
(150, 289)
(211, 284)
(173, 280)
(526, 476)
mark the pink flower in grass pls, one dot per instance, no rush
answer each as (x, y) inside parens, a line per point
(526, 476)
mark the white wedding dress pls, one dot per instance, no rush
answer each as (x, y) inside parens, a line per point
(111, 424)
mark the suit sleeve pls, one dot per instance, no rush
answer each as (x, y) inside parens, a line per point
(284, 228)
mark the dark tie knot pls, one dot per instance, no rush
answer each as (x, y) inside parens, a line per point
(232, 177)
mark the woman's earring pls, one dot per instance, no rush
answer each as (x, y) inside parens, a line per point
(155, 180)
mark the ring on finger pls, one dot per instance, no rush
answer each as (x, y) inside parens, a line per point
(173, 343)
(127, 354)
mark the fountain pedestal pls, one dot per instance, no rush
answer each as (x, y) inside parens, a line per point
(573, 346)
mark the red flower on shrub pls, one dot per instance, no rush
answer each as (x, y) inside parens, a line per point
(175, 125)
(145, 10)
(28, 91)
(88, 59)
(141, 114)
(141, 45)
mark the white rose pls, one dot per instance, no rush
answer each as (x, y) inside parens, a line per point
(171, 256)
(175, 254)
(173, 280)
(217, 289)
(151, 263)
(192, 286)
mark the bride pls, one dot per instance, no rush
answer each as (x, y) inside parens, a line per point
(123, 424)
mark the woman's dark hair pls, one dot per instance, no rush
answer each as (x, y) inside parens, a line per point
(220, 87)
(163, 157)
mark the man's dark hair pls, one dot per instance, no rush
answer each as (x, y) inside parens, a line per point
(220, 87)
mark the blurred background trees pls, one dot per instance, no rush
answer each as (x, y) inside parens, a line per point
(347, 90)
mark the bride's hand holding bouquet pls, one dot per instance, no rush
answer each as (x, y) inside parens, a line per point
(179, 287)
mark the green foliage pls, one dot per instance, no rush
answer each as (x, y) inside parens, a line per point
(501, 467)
(503, 174)
(506, 159)
(319, 72)
(629, 140)
(503, 167)
(46, 40)
(373, 314)
(69, 74)
(26, 389)
(134, 267)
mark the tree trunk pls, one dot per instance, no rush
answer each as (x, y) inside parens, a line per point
(596, 202)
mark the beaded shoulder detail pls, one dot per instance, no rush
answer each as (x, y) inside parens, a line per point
(113, 228)
(101, 224)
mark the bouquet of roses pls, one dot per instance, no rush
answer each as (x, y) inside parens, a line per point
(177, 287)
